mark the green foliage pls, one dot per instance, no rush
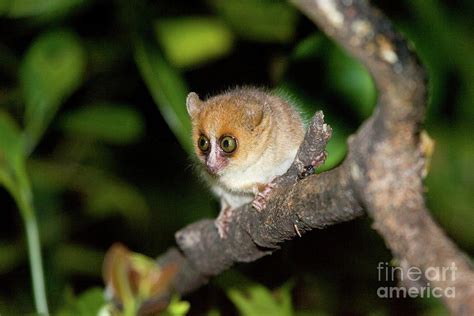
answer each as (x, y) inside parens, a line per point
(31, 8)
(167, 88)
(12, 160)
(104, 195)
(138, 285)
(74, 259)
(11, 254)
(452, 158)
(352, 81)
(177, 307)
(110, 123)
(309, 47)
(447, 52)
(109, 196)
(92, 302)
(88, 303)
(259, 20)
(336, 148)
(51, 70)
(190, 41)
(257, 300)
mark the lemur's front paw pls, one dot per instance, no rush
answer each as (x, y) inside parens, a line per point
(261, 198)
(310, 169)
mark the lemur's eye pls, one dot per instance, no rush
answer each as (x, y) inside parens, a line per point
(203, 143)
(228, 144)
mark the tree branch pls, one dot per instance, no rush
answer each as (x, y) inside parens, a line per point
(295, 206)
(382, 173)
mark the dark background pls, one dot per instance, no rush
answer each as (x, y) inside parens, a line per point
(105, 165)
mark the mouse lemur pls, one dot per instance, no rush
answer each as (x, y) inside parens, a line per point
(243, 138)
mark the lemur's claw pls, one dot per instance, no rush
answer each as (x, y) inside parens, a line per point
(260, 201)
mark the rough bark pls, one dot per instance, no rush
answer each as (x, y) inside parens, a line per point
(382, 173)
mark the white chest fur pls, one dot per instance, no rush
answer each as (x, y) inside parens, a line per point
(239, 187)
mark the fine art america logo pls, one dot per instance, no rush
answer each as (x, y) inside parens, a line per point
(414, 282)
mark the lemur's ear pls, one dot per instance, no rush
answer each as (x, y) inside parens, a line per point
(193, 104)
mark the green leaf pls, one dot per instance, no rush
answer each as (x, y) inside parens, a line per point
(336, 148)
(446, 52)
(29, 8)
(136, 283)
(164, 82)
(450, 181)
(309, 47)
(51, 70)
(88, 303)
(77, 259)
(167, 88)
(12, 255)
(105, 195)
(177, 307)
(12, 164)
(257, 300)
(260, 20)
(107, 122)
(109, 196)
(351, 79)
(10, 140)
(188, 41)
